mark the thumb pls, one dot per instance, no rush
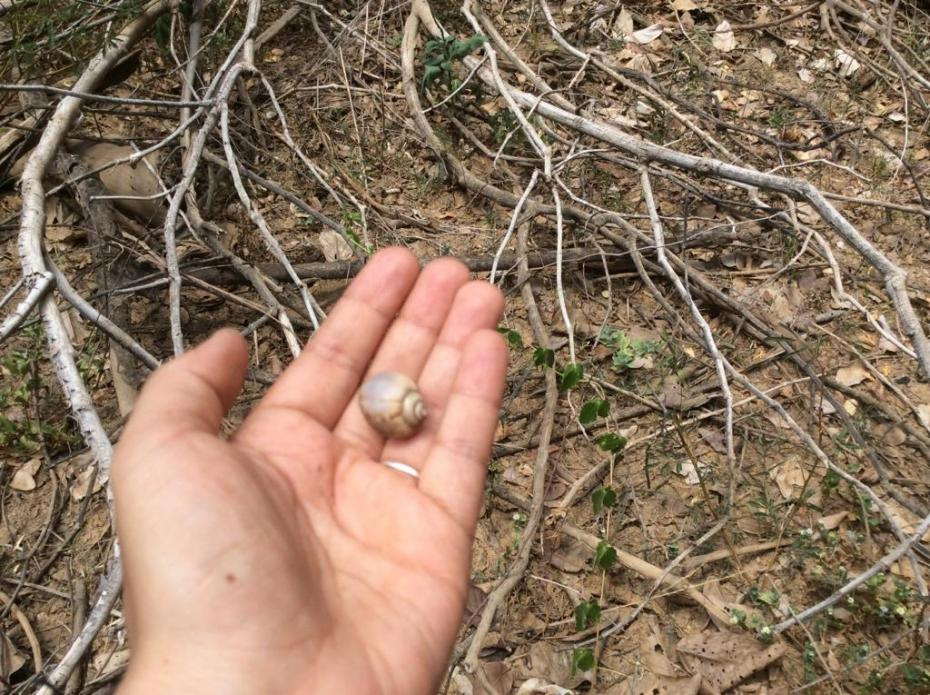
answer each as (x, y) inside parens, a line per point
(191, 392)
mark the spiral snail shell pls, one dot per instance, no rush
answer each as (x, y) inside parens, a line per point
(392, 404)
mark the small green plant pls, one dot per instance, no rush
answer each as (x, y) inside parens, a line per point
(610, 442)
(513, 338)
(593, 409)
(605, 556)
(603, 498)
(582, 660)
(22, 391)
(778, 118)
(571, 376)
(440, 58)
(769, 597)
(587, 613)
(625, 350)
(543, 357)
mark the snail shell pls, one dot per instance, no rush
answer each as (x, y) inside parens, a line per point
(392, 405)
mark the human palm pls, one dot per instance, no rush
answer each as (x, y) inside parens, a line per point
(289, 558)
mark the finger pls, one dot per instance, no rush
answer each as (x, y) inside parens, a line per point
(454, 471)
(323, 379)
(478, 306)
(408, 342)
(192, 392)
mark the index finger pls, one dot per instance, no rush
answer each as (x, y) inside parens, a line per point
(324, 377)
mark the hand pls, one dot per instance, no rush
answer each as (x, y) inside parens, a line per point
(289, 559)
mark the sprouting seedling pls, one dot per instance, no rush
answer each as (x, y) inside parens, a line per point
(441, 56)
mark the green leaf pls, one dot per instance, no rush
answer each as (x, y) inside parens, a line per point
(571, 376)
(513, 338)
(769, 597)
(162, 32)
(605, 556)
(586, 614)
(611, 442)
(582, 660)
(594, 409)
(602, 498)
(430, 73)
(460, 49)
(543, 357)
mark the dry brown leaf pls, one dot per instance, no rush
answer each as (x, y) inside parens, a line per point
(714, 593)
(845, 63)
(126, 179)
(548, 664)
(647, 35)
(923, 414)
(537, 686)
(906, 520)
(623, 27)
(498, 675)
(766, 55)
(106, 662)
(832, 521)
(334, 247)
(651, 684)
(715, 438)
(571, 556)
(852, 375)
(889, 434)
(683, 5)
(790, 477)
(24, 478)
(655, 651)
(725, 659)
(692, 475)
(81, 486)
(724, 39)
(11, 660)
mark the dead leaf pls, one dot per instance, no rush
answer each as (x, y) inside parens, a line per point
(687, 470)
(81, 486)
(724, 38)
(852, 375)
(790, 477)
(24, 478)
(904, 518)
(766, 55)
(683, 5)
(11, 660)
(647, 35)
(715, 438)
(571, 556)
(106, 662)
(805, 75)
(777, 419)
(334, 247)
(623, 27)
(126, 179)
(725, 659)
(845, 63)
(548, 664)
(537, 686)
(825, 406)
(832, 521)
(923, 413)
(655, 651)
(498, 675)
(651, 684)
(886, 345)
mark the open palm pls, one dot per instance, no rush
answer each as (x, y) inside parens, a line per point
(290, 558)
